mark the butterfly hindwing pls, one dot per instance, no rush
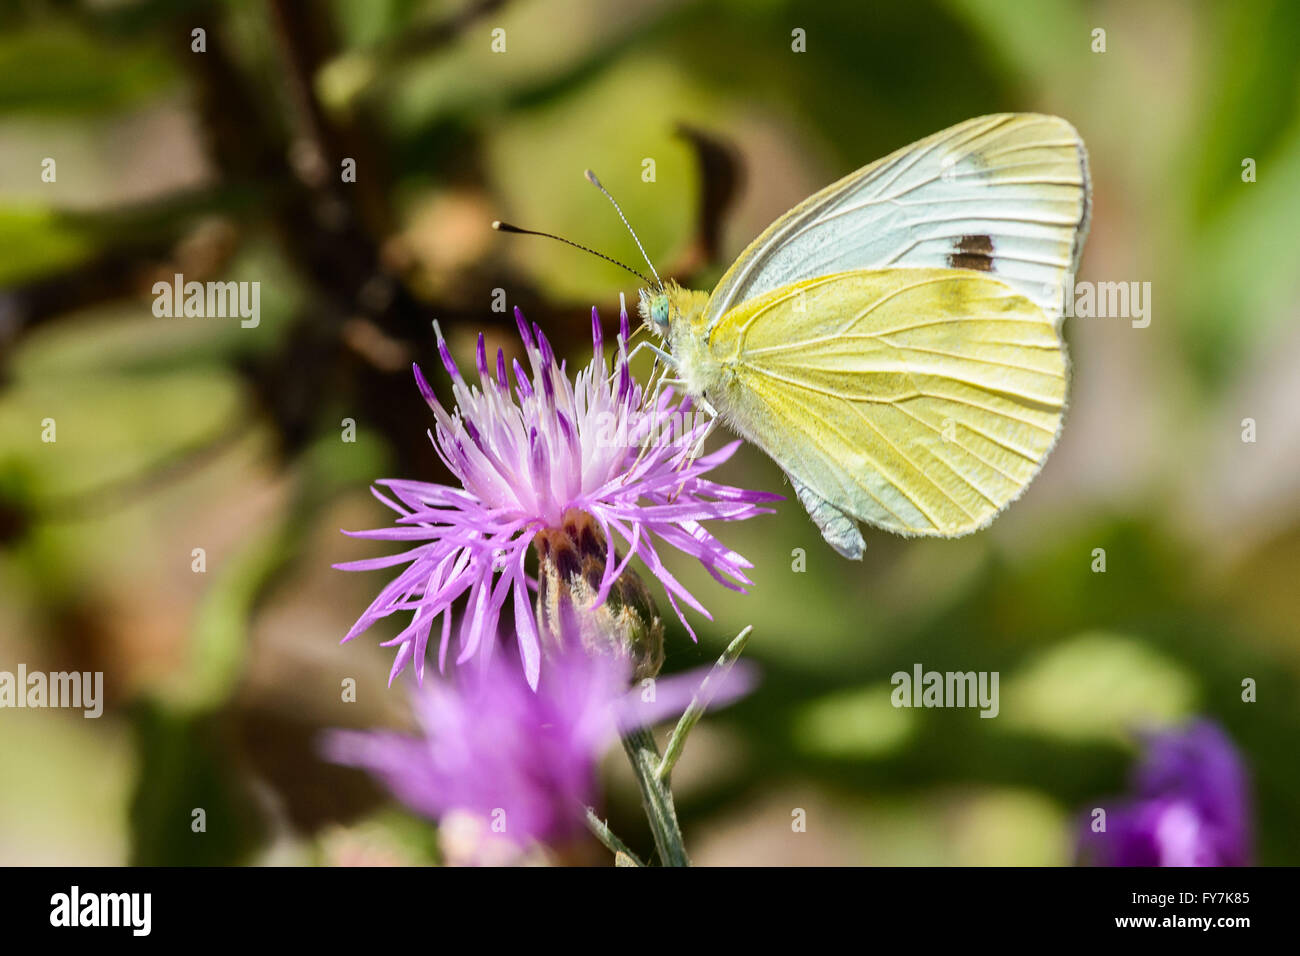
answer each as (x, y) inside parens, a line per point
(920, 400)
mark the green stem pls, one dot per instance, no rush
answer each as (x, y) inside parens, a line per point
(699, 703)
(612, 843)
(656, 798)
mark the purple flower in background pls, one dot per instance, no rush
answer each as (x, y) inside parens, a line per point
(525, 460)
(523, 764)
(1190, 806)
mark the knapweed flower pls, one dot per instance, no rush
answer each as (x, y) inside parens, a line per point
(549, 457)
(1189, 806)
(512, 765)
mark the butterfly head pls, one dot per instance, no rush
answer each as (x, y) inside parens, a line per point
(656, 310)
(664, 308)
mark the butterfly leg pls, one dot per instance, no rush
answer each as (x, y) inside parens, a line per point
(697, 446)
(645, 447)
(652, 395)
(663, 356)
(652, 436)
(660, 354)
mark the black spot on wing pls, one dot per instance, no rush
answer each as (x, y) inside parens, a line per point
(972, 252)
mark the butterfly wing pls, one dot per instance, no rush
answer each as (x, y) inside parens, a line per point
(922, 401)
(1005, 194)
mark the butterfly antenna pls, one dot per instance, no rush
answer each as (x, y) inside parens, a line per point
(500, 226)
(591, 178)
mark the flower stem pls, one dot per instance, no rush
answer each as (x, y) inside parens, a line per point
(656, 798)
(700, 703)
(622, 855)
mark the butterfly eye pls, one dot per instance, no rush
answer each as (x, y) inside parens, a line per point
(659, 311)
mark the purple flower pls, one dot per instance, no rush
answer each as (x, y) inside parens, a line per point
(521, 763)
(525, 458)
(1190, 806)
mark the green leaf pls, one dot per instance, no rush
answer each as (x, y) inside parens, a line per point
(58, 69)
(186, 764)
(37, 242)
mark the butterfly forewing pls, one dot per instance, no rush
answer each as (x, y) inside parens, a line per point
(1004, 194)
(920, 400)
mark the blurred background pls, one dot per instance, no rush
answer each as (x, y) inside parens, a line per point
(177, 434)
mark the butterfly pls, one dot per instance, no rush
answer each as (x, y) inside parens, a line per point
(893, 342)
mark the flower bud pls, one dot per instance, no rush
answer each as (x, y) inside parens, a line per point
(571, 564)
